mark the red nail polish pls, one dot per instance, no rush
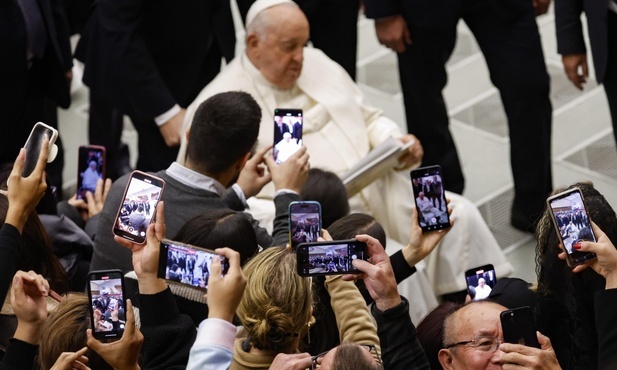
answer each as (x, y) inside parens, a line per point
(576, 246)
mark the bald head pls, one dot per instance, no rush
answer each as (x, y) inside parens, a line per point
(456, 324)
(275, 41)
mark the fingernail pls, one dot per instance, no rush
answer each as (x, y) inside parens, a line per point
(576, 246)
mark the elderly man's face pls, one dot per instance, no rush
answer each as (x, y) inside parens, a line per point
(279, 53)
(474, 321)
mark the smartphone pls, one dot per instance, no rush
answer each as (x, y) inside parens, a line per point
(480, 281)
(430, 198)
(572, 224)
(330, 257)
(138, 206)
(33, 146)
(187, 264)
(287, 133)
(519, 327)
(304, 222)
(90, 168)
(107, 308)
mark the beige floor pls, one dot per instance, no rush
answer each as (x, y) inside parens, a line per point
(583, 147)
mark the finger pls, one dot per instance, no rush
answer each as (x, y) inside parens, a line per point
(545, 342)
(415, 224)
(259, 156)
(94, 343)
(373, 245)
(98, 190)
(124, 242)
(232, 256)
(216, 269)
(364, 266)
(19, 164)
(79, 365)
(160, 221)
(129, 328)
(17, 289)
(299, 153)
(43, 155)
(106, 189)
(90, 202)
(585, 68)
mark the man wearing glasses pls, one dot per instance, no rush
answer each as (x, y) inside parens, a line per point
(473, 340)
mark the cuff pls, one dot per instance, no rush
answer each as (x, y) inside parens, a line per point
(157, 308)
(163, 118)
(216, 332)
(10, 230)
(284, 191)
(401, 309)
(240, 194)
(20, 355)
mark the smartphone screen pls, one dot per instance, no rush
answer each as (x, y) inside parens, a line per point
(138, 206)
(90, 168)
(430, 198)
(330, 257)
(480, 281)
(572, 224)
(187, 264)
(107, 309)
(287, 133)
(33, 145)
(304, 222)
(519, 327)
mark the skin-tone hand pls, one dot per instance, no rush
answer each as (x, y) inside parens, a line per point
(377, 274)
(69, 77)
(296, 361)
(95, 202)
(414, 153)
(291, 174)
(393, 33)
(575, 66)
(28, 293)
(146, 256)
(253, 176)
(171, 129)
(606, 262)
(225, 293)
(422, 244)
(72, 360)
(517, 356)
(121, 354)
(24, 193)
(541, 6)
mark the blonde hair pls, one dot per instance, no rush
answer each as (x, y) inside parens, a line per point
(277, 302)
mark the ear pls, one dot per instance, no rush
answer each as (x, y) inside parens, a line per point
(252, 45)
(242, 161)
(188, 131)
(446, 359)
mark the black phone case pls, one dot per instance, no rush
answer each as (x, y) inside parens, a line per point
(519, 327)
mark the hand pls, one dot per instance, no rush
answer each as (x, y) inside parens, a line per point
(291, 174)
(72, 360)
(297, 361)
(225, 293)
(518, 356)
(170, 130)
(393, 33)
(377, 274)
(541, 6)
(24, 193)
(253, 176)
(572, 63)
(69, 77)
(414, 153)
(606, 262)
(422, 244)
(121, 354)
(146, 256)
(28, 293)
(94, 203)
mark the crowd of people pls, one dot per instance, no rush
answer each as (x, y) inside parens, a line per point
(207, 133)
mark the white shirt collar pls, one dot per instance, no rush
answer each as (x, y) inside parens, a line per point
(195, 179)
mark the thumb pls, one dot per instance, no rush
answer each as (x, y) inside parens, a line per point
(20, 162)
(93, 343)
(18, 288)
(363, 266)
(545, 342)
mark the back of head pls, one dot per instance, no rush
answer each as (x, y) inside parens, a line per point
(430, 332)
(349, 356)
(357, 223)
(65, 331)
(38, 254)
(219, 229)
(326, 188)
(277, 302)
(224, 129)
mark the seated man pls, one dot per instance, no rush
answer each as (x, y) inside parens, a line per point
(473, 340)
(339, 130)
(223, 133)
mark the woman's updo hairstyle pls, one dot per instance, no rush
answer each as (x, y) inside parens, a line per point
(277, 302)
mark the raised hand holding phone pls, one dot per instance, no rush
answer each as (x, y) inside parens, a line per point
(421, 244)
(225, 292)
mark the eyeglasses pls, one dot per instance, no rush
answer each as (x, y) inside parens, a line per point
(371, 348)
(482, 343)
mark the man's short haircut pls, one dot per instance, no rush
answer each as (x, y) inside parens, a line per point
(349, 356)
(224, 129)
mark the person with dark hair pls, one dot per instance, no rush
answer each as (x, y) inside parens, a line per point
(430, 332)
(326, 188)
(219, 173)
(566, 309)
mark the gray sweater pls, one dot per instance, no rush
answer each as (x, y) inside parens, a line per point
(182, 203)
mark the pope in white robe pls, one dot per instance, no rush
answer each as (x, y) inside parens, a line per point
(339, 129)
